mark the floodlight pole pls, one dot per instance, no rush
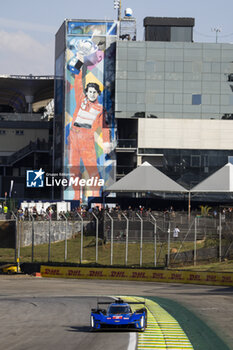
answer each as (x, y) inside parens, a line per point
(216, 30)
(119, 11)
(117, 5)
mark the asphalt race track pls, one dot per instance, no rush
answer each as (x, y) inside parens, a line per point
(42, 313)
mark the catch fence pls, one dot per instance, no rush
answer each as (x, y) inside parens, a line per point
(120, 238)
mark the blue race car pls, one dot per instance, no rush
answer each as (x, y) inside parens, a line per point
(118, 315)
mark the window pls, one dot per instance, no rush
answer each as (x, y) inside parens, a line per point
(2, 132)
(196, 99)
(205, 160)
(195, 161)
(19, 132)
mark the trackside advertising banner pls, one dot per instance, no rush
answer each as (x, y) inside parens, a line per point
(211, 278)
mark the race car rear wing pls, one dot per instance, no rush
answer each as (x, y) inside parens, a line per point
(120, 301)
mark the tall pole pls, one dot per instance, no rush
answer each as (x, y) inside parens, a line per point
(216, 30)
(119, 11)
(117, 5)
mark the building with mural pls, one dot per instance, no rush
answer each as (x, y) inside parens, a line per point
(84, 106)
(120, 102)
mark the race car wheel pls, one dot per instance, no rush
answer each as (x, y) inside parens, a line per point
(92, 322)
(142, 324)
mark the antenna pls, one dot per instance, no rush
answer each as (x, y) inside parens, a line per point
(216, 30)
(117, 5)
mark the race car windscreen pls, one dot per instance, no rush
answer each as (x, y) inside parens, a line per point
(124, 309)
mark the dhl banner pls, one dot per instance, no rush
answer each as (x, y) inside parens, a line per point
(211, 278)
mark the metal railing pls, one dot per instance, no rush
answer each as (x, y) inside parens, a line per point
(127, 143)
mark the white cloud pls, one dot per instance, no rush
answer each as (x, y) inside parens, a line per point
(22, 25)
(22, 54)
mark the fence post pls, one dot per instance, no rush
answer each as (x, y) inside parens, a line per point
(65, 258)
(155, 239)
(49, 247)
(96, 237)
(111, 237)
(168, 243)
(220, 237)
(33, 235)
(126, 239)
(81, 247)
(141, 238)
(16, 237)
(189, 205)
(195, 242)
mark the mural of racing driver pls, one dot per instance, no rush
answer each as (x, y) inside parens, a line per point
(89, 131)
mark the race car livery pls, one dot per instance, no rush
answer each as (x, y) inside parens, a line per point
(119, 315)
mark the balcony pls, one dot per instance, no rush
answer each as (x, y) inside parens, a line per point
(21, 117)
(126, 145)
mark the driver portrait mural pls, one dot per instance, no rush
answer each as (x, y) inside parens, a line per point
(89, 132)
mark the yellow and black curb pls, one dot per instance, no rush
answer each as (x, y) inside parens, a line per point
(163, 331)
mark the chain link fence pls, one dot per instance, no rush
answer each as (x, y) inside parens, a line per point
(118, 238)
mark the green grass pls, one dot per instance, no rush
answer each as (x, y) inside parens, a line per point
(224, 266)
(57, 254)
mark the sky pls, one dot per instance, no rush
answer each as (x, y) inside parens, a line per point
(28, 27)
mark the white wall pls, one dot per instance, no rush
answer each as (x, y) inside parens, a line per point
(185, 134)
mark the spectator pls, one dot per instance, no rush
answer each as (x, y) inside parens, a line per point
(176, 232)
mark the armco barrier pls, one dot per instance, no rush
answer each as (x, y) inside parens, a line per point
(210, 278)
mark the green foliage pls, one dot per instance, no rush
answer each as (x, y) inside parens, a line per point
(211, 242)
